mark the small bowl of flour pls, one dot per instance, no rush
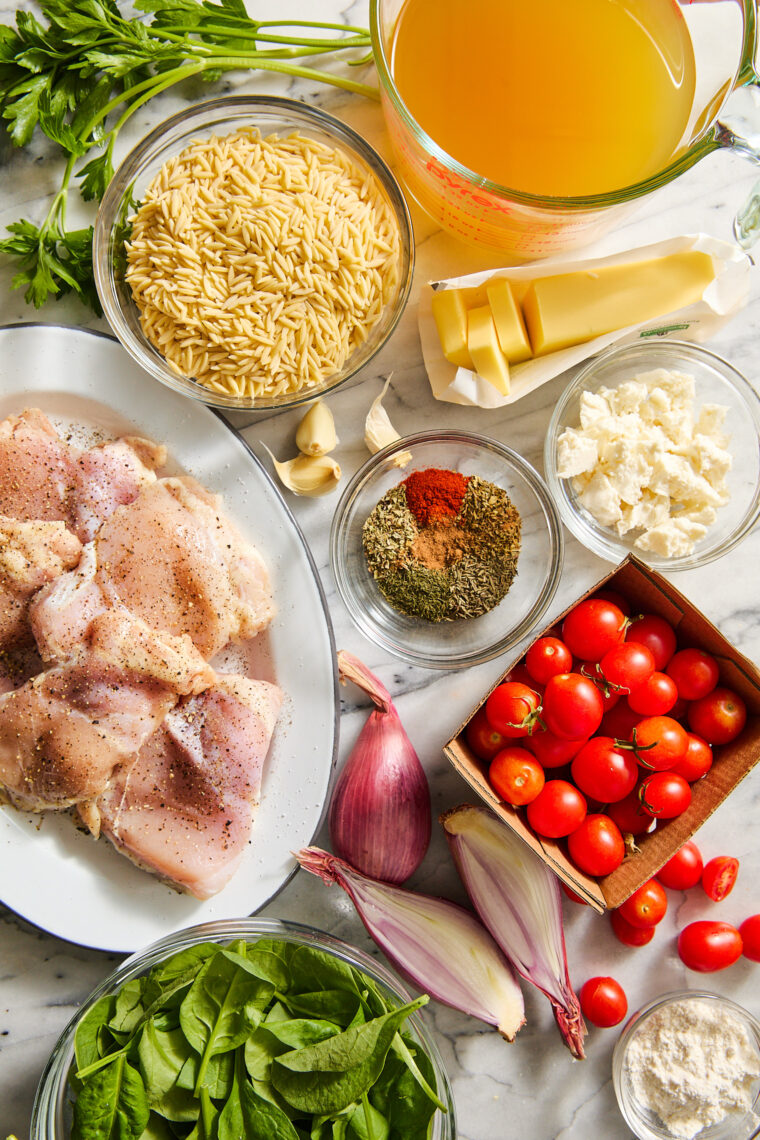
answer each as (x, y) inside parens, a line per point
(687, 1066)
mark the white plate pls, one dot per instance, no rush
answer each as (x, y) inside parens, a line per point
(50, 873)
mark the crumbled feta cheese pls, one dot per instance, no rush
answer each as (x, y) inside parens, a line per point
(640, 460)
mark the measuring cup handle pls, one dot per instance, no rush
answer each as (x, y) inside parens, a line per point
(740, 131)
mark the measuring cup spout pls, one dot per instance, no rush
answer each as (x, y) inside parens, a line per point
(739, 130)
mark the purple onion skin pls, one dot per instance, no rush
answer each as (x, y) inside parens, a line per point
(380, 814)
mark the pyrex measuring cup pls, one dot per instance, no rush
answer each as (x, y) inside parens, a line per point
(525, 226)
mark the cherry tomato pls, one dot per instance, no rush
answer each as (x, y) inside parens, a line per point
(592, 669)
(659, 742)
(551, 751)
(572, 895)
(620, 721)
(546, 658)
(557, 810)
(603, 1002)
(516, 776)
(697, 760)
(718, 717)
(683, 870)
(520, 673)
(512, 709)
(592, 627)
(658, 636)
(719, 876)
(656, 696)
(596, 847)
(694, 672)
(708, 946)
(630, 816)
(604, 771)
(627, 666)
(664, 795)
(750, 934)
(572, 706)
(605, 595)
(680, 709)
(646, 906)
(628, 934)
(482, 738)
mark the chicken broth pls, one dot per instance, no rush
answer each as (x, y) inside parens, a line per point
(549, 97)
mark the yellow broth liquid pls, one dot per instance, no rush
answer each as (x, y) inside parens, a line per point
(552, 97)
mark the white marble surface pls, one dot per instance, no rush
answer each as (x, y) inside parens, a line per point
(531, 1088)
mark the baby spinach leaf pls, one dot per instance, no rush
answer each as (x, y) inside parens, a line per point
(248, 1115)
(130, 1006)
(366, 1123)
(328, 1076)
(218, 1079)
(407, 1055)
(206, 1128)
(328, 1005)
(162, 1056)
(185, 963)
(312, 969)
(157, 1128)
(299, 1031)
(112, 1105)
(401, 1097)
(88, 1039)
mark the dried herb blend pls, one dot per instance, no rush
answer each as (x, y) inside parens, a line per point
(442, 545)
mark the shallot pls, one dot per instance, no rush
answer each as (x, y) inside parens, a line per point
(439, 946)
(380, 810)
(518, 899)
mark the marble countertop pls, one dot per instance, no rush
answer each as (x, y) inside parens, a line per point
(530, 1088)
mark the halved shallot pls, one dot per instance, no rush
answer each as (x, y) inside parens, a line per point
(518, 899)
(439, 946)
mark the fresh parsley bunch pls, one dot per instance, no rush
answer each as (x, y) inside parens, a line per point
(79, 77)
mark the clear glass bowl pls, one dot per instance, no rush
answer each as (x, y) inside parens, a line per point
(644, 1123)
(449, 644)
(223, 116)
(716, 381)
(51, 1112)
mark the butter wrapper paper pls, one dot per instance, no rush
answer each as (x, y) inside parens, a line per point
(725, 295)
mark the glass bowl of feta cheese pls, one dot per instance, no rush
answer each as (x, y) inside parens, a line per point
(654, 450)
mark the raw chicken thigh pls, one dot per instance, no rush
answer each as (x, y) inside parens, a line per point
(64, 731)
(184, 806)
(173, 558)
(31, 554)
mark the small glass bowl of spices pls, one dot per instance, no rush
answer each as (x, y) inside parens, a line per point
(446, 548)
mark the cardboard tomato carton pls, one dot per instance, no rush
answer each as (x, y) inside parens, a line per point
(648, 592)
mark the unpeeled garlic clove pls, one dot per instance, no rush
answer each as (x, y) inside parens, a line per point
(309, 475)
(379, 431)
(315, 434)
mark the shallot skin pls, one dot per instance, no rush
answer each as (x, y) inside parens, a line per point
(380, 814)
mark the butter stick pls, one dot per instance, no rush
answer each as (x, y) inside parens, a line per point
(508, 319)
(572, 308)
(483, 344)
(450, 317)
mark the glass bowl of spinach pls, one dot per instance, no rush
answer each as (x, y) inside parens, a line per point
(246, 1028)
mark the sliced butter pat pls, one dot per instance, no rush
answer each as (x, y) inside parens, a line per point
(510, 326)
(483, 344)
(575, 307)
(450, 317)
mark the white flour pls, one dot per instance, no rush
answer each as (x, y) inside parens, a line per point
(693, 1064)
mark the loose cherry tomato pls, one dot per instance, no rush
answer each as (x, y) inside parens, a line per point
(750, 934)
(605, 771)
(603, 1002)
(482, 738)
(708, 946)
(557, 810)
(516, 776)
(546, 658)
(656, 696)
(658, 636)
(592, 627)
(620, 721)
(596, 847)
(630, 816)
(694, 672)
(664, 795)
(550, 750)
(512, 709)
(683, 870)
(627, 666)
(646, 906)
(718, 717)
(719, 876)
(659, 742)
(628, 934)
(519, 672)
(697, 760)
(605, 595)
(572, 706)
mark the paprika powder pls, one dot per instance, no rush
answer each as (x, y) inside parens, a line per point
(434, 492)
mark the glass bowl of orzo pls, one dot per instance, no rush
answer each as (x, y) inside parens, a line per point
(253, 252)
(446, 548)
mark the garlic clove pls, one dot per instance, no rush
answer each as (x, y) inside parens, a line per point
(379, 431)
(309, 475)
(315, 434)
